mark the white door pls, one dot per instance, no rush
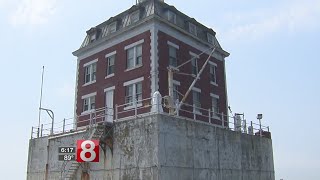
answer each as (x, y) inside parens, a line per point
(109, 106)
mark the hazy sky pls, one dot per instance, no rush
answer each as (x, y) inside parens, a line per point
(273, 69)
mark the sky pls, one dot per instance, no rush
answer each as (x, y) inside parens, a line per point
(273, 69)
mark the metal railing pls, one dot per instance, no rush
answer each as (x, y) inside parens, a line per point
(142, 108)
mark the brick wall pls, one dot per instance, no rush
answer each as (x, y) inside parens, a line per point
(204, 83)
(120, 75)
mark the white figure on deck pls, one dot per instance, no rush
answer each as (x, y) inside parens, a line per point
(157, 103)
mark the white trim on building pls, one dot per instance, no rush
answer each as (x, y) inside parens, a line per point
(89, 95)
(91, 62)
(134, 44)
(110, 54)
(109, 88)
(133, 81)
(173, 45)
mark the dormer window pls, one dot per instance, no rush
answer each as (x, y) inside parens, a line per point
(134, 17)
(193, 29)
(172, 17)
(210, 38)
(113, 27)
(92, 37)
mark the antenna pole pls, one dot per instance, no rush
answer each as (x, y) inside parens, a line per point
(40, 99)
(195, 80)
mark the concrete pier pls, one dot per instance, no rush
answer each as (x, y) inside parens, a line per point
(162, 147)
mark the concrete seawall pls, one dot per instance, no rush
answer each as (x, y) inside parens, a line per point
(161, 147)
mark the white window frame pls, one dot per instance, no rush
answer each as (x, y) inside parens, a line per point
(193, 29)
(133, 82)
(88, 98)
(210, 38)
(91, 72)
(133, 47)
(214, 113)
(108, 56)
(134, 17)
(173, 61)
(172, 15)
(173, 44)
(112, 27)
(196, 109)
(212, 64)
(195, 58)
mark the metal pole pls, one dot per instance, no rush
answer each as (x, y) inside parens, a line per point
(40, 98)
(52, 123)
(195, 80)
(41, 130)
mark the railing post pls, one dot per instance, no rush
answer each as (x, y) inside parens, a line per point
(250, 129)
(268, 129)
(116, 112)
(90, 122)
(135, 108)
(222, 119)
(38, 133)
(41, 130)
(194, 111)
(64, 123)
(31, 132)
(209, 115)
(260, 128)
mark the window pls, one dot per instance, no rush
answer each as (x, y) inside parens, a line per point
(134, 17)
(134, 57)
(213, 75)
(210, 38)
(172, 17)
(133, 93)
(194, 65)
(215, 106)
(110, 65)
(196, 101)
(90, 72)
(92, 38)
(110, 68)
(192, 29)
(105, 31)
(113, 27)
(89, 102)
(173, 56)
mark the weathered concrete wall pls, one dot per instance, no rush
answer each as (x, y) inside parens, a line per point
(136, 149)
(161, 147)
(37, 159)
(191, 150)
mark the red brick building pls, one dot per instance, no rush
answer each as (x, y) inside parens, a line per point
(126, 58)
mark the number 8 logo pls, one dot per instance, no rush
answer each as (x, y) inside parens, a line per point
(88, 151)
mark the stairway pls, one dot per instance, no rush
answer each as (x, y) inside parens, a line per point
(69, 168)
